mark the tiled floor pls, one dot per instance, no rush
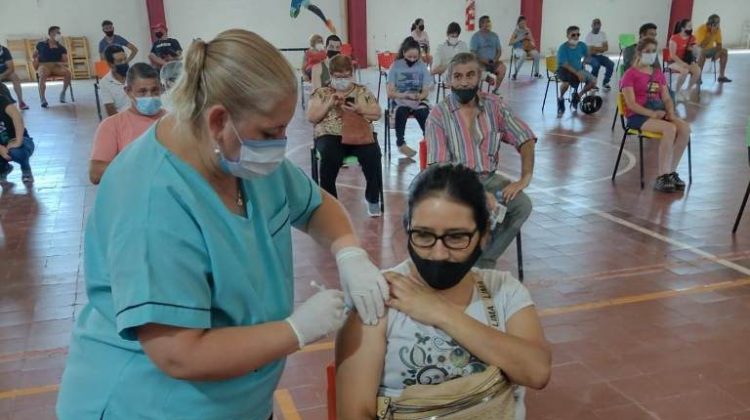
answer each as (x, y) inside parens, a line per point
(644, 296)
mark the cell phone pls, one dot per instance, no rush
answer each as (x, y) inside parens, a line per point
(349, 101)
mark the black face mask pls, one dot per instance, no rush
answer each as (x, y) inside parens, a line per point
(443, 274)
(465, 96)
(332, 53)
(410, 62)
(159, 34)
(109, 33)
(688, 32)
(421, 27)
(122, 69)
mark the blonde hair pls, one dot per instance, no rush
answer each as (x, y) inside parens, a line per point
(313, 38)
(239, 70)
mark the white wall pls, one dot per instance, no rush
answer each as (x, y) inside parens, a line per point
(389, 21)
(31, 18)
(733, 15)
(188, 19)
(618, 16)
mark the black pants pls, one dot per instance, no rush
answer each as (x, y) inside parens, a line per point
(332, 154)
(402, 114)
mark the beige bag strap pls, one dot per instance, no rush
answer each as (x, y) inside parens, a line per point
(489, 305)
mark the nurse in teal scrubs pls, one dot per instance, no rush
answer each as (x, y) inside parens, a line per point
(188, 253)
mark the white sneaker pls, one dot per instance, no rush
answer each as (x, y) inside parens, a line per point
(373, 209)
(407, 151)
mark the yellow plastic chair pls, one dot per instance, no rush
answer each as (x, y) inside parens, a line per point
(551, 64)
(642, 134)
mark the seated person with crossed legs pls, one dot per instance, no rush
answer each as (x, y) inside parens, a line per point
(337, 111)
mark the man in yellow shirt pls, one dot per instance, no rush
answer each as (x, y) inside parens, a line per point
(708, 37)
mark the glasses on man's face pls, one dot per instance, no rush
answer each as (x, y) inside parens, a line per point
(451, 240)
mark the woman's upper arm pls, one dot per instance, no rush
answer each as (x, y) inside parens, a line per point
(525, 324)
(629, 93)
(360, 357)
(164, 344)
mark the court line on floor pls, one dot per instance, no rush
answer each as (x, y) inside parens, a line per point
(286, 402)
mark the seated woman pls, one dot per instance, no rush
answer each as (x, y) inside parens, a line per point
(15, 143)
(314, 55)
(331, 109)
(523, 44)
(420, 35)
(436, 328)
(683, 54)
(650, 108)
(447, 50)
(409, 84)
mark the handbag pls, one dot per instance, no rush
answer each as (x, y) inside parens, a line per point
(486, 395)
(355, 129)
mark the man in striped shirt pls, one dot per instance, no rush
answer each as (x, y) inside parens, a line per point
(468, 128)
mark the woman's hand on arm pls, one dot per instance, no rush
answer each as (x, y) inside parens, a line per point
(634, 106)
(360, 360)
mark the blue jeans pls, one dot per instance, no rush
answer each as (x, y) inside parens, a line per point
(20, 155)
(597, 61)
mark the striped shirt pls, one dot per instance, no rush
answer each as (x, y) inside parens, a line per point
(449, 139)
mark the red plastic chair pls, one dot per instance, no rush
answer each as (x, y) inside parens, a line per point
(385, 61)
(331, 390)
(347, 50)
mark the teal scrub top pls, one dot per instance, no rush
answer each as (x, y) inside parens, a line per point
(161, 247)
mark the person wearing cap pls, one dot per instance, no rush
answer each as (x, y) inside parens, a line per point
(164, 49)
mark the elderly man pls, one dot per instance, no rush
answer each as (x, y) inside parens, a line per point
(468, 128)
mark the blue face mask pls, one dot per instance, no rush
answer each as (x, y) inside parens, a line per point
(149, 105)
(258, 158)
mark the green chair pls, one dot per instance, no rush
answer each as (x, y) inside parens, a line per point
(625, 40)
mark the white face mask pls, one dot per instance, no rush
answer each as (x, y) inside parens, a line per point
(573, 42)
(648, 58)
(341, 84)
(452, 40)
(319, 46)
(258, 158)
(57, 38)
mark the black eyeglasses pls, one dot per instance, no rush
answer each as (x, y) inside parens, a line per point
(575, 35)
(451, 240)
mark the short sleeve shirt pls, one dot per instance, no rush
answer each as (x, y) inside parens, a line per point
(113, 92)
(682, 44)
(116, 40)
(161, 247)
(572, 56)
(117, 132)
(446, 52)
(596, 40)
(702, 33)
(409, 80)
(449, 139)
(166, 47)
(331, 123)
(645, 86)
(419, 354)
(48, 54)
(5, 57)
(7, 128)
(485, 45)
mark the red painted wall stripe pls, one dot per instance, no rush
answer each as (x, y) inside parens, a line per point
(356, 13)
(532, 9)
(156, 15)
(681, 9)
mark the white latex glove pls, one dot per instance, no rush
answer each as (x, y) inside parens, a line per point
(363, 284)
(321, 314)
